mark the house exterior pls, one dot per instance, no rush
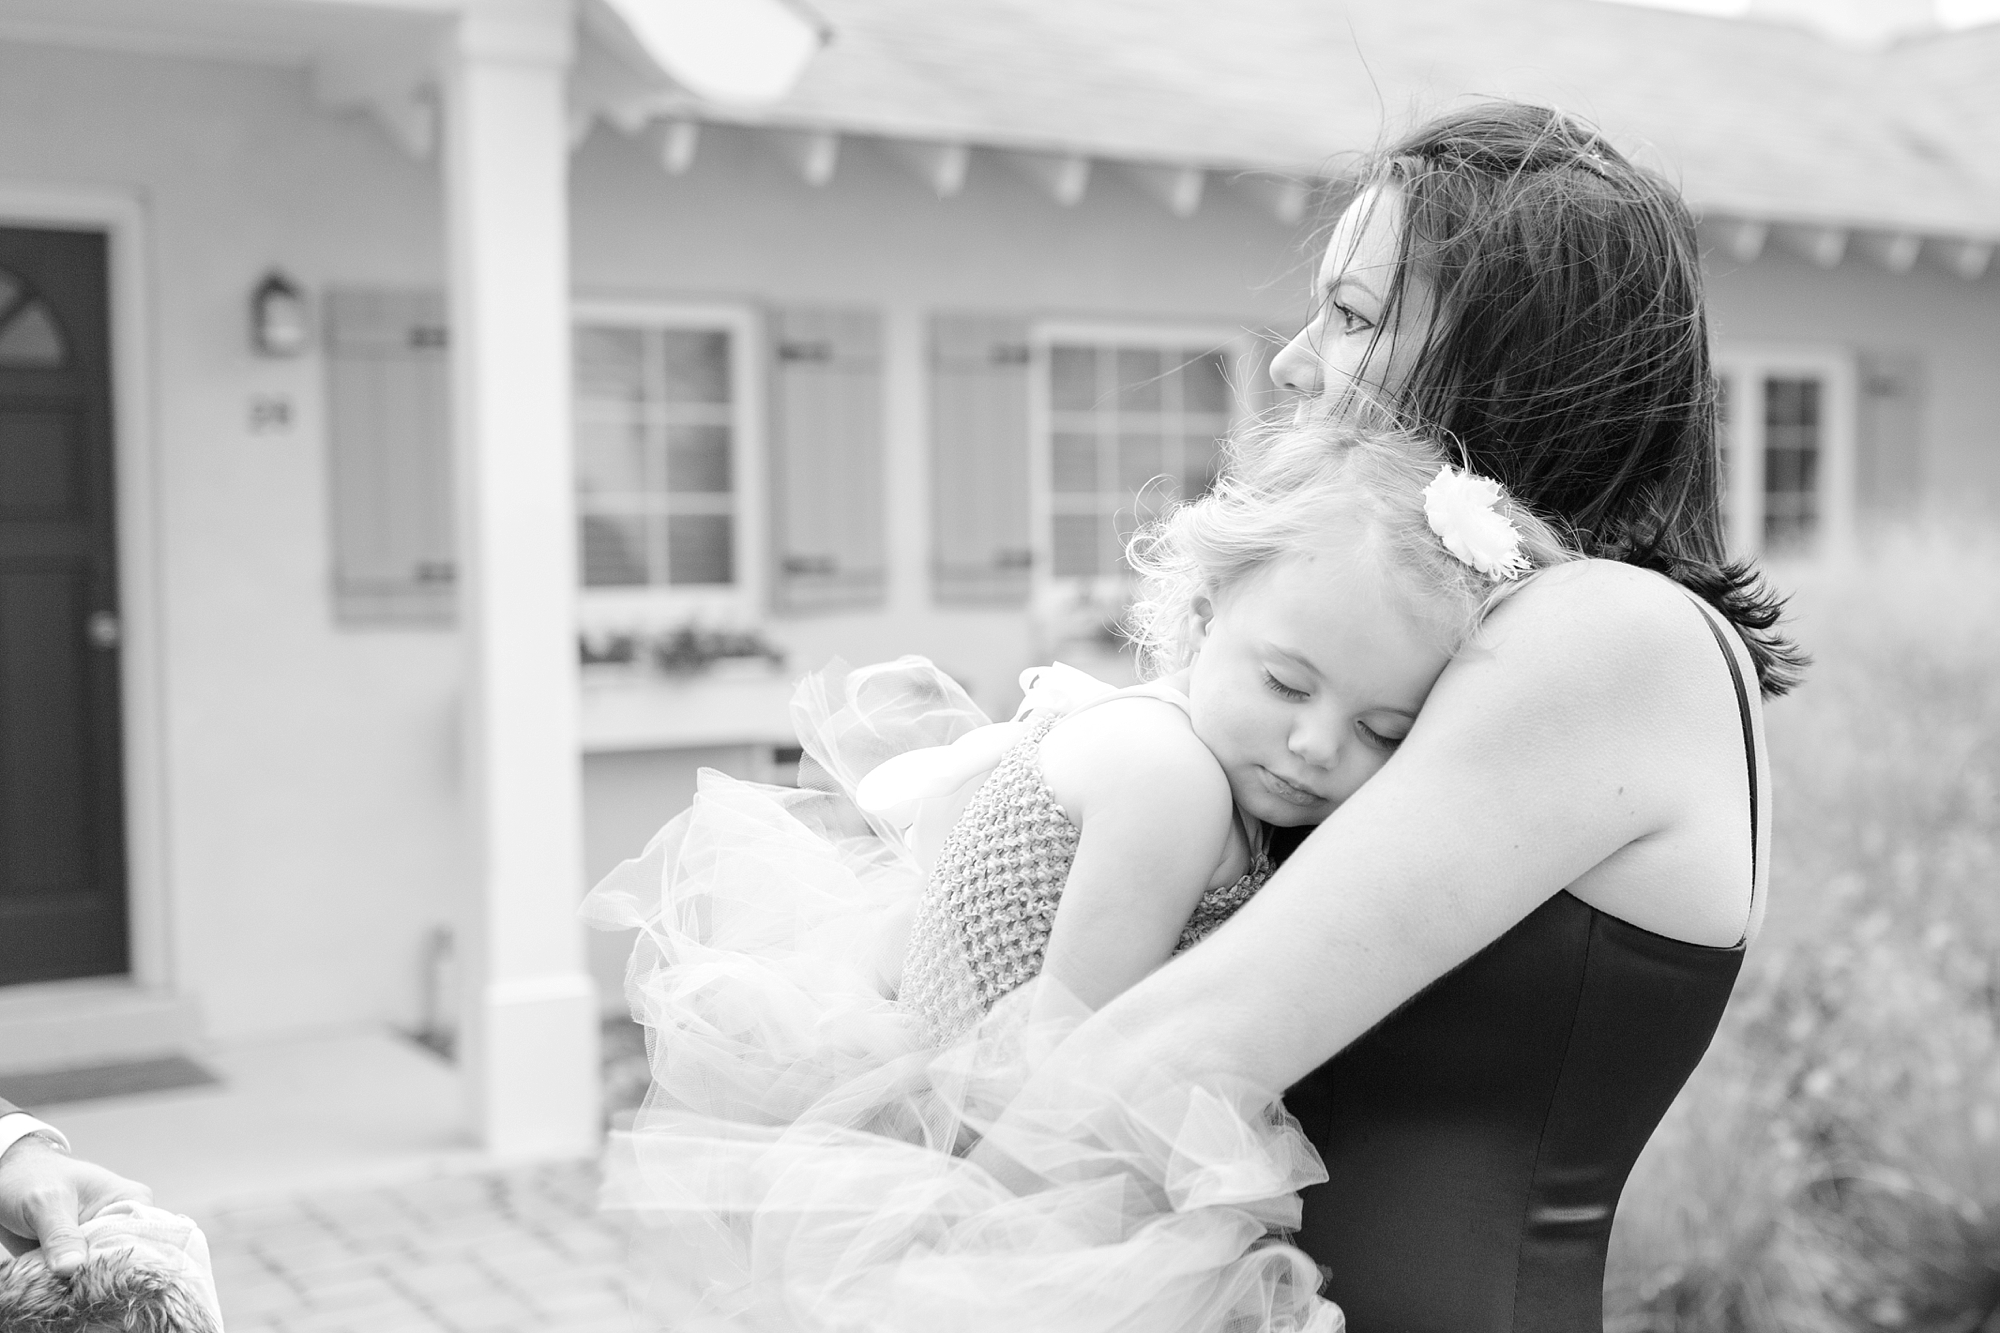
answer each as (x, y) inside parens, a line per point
(359, 359)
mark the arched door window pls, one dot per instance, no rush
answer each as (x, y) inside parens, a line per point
(30, 338)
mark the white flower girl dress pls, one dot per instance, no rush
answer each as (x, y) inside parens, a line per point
(816, 1157)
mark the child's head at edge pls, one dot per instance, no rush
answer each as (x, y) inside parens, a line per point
(1284, 488)
(1307, 604)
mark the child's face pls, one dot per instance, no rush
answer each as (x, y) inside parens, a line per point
(1350, 342)
(1306, 677)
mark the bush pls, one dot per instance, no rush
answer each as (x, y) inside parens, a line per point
(1835, 1163)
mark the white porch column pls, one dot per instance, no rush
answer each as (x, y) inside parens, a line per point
(529, 1026)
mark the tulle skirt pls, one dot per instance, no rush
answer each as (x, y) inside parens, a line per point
(805, 1163)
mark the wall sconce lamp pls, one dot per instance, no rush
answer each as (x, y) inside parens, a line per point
(278, 322)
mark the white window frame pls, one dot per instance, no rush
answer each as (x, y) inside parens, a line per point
(1745, 366)
(1236, 341)
(615, 610)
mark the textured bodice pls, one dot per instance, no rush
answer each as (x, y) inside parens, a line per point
(983, 924)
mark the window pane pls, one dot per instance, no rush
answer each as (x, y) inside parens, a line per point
(1791, 402)
(31, 340)
(1078, 544)
(1142, 509)
(1141, 457)
(1128, 522)
(1139, 373)
(1790, 472)
(1161, 409)
(1791, 459)
(697, 365)
(698, 460)
(611, 459)
(1073, 379)
(1074, 469)
(613, 551)
(698, 549)
(1204, 386)
(607, 364)
(655, 456)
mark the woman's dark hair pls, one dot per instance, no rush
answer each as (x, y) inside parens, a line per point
(1567, 351)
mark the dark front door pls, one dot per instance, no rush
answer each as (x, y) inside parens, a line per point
(62, 827)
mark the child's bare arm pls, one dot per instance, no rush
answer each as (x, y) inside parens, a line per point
(1154, 811)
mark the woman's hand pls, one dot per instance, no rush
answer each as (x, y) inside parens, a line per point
(45, 1194)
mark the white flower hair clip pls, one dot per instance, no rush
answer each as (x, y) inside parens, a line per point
(1461, 507)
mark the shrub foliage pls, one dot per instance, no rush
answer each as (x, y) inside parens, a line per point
(1835, 1163)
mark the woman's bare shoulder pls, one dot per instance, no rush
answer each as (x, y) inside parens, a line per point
(1593, 631)
(1607, 595)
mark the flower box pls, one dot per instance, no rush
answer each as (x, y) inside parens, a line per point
(732, 702)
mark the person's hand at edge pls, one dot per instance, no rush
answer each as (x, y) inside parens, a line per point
(45, 1196)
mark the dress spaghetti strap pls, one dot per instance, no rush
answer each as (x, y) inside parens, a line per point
(1742, 713)
(1714, 622)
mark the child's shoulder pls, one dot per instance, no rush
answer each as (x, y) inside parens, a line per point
(1135, 747)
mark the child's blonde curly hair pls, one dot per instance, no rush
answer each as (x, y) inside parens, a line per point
(1283, 486)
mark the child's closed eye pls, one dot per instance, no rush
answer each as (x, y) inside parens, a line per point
(1282, 690)
(1376, 738)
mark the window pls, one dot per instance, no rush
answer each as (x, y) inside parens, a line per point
(663, 432)
(1794, 435)
(1133, 424)
(1787, 448)
(29, 337)
(1128, 421)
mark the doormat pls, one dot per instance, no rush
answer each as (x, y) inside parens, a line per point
(50, 1087)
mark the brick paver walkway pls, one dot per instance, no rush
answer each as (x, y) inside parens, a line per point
(523, 1251)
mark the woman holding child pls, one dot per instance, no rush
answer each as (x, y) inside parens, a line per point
(999, 1042)
(1494, 667)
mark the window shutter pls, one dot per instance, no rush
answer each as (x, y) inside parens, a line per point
(1890, 432)
(826, 459)
(389, 441)
(980, 538)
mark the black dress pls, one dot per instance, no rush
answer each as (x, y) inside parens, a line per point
(1477, 1139)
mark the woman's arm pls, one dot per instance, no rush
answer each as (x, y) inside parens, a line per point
(1153, 812)
(1558, 739)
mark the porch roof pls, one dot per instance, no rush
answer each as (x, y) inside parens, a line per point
(1760, 122)
(1755, 119)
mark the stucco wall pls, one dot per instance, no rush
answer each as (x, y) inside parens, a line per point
(310, 787)
(1950, 325)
